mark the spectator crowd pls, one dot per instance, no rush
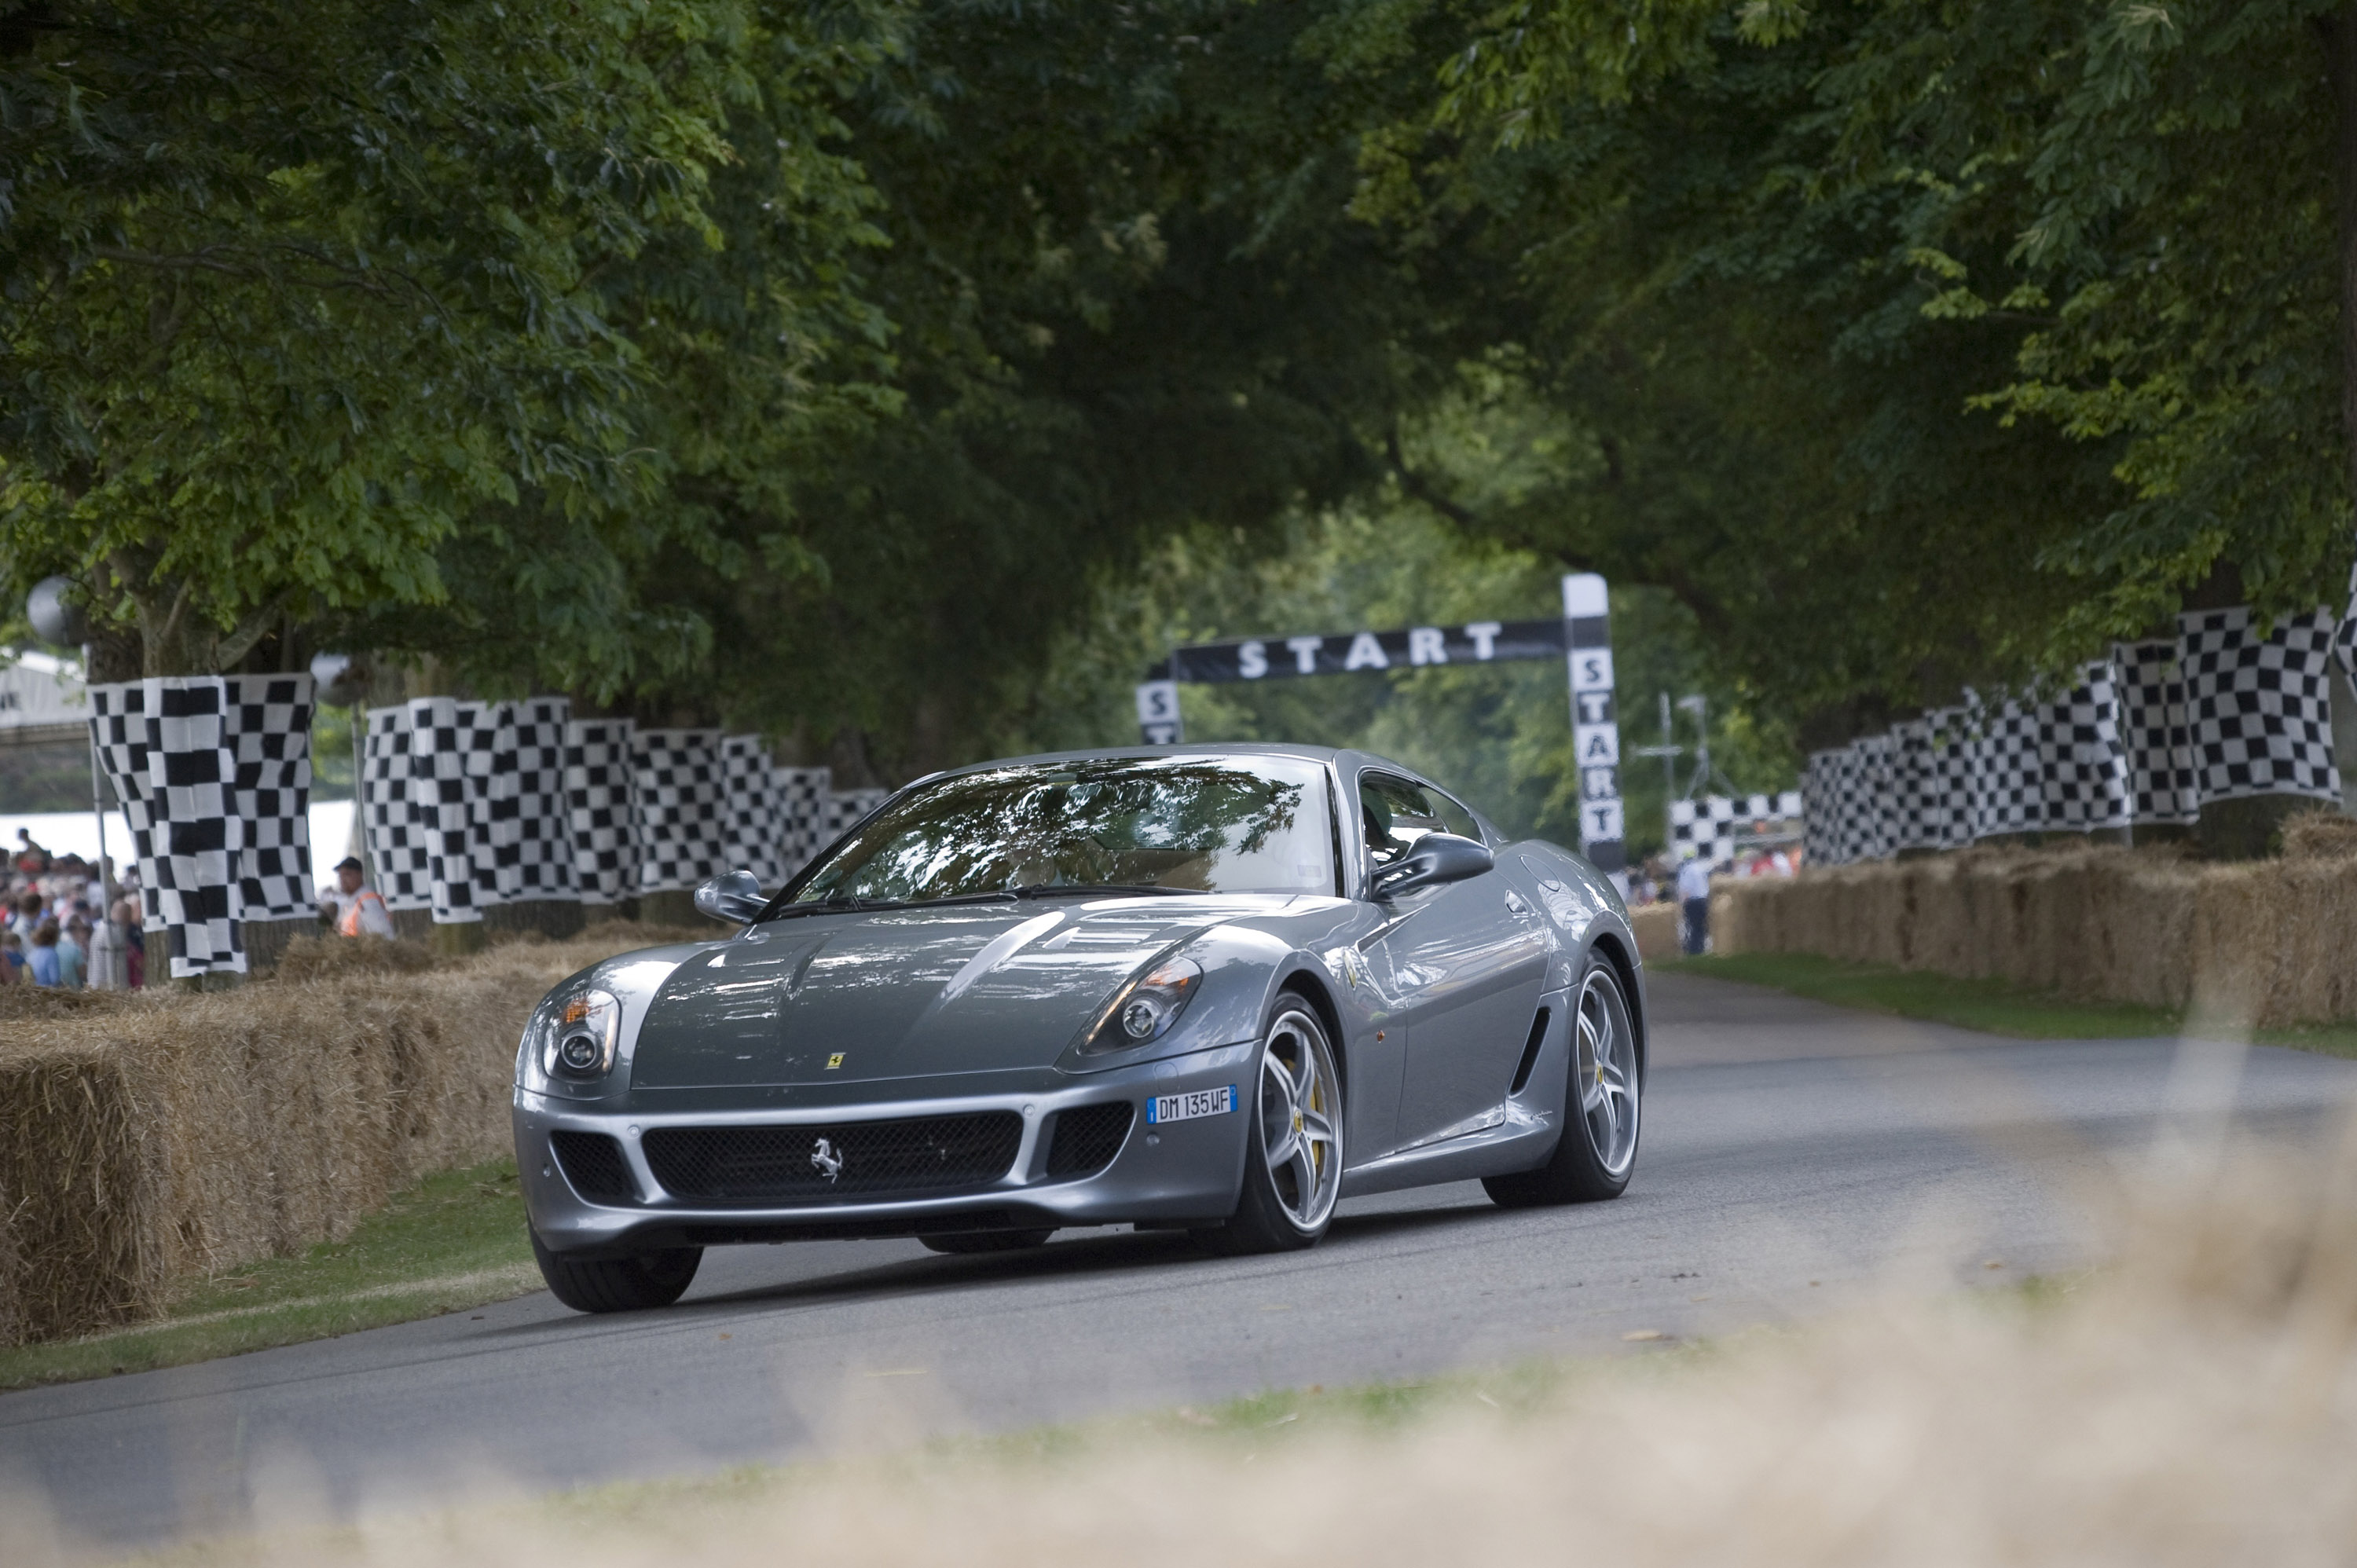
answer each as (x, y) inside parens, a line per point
(67, 923)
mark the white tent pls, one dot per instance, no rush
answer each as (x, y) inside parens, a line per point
(42, 701)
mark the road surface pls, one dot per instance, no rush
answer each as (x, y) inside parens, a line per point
(1794, 1155)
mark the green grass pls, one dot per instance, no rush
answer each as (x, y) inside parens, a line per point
(1991, 1006)
(453, 1241)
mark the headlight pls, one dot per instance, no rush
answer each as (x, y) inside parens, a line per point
(1147, 1007)
(577, 1040)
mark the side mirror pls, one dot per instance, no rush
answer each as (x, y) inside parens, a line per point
(1436, 858)
(733, 896)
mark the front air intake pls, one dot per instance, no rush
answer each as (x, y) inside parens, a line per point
(816, 1162)
(593, 1163)
(1088, 1137)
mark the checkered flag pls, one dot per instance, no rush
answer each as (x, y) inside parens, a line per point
(2344, 636)
(270, 731)
(602, 808)
(2259, 709)
(2083, 763)
(449, 768)
(1921, 809)
(2156, 739)
(2009, 779)
(1702, 828)
(805, 800)
(682, 836)
(197, 835)
(521, 835)
(1878, 786)
(118, 725)
(750, 809)
(1951, 774)
(1820, 839)
(399, 850)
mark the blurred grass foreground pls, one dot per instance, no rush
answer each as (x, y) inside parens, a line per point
(2193, 1402)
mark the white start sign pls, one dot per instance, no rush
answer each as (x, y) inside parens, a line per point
(1595, 721)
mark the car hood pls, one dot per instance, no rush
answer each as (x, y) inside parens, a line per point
(906, 993)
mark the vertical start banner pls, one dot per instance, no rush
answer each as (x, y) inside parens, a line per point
(1595, 722)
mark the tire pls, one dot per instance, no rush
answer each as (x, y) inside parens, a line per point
(618, 1285)
(1602, 1105)
(1293, 1143)
(986, 1241)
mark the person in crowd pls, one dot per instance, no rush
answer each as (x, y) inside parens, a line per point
(352, 907)
(11, 959)
(31, 859)
(30, 906)
(1693, 902)
(134, 946)
(41, 959)
(73, 950)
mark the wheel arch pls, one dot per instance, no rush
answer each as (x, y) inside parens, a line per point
(1306, 980)
(1609, 946)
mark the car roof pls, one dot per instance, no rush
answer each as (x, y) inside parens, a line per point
(1343, 760)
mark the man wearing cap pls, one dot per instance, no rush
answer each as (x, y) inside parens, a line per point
(354, 909)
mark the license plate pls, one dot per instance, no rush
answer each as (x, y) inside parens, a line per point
(1187, 1107)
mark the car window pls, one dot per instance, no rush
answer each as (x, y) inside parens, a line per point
(1396, 813)
(1193, 823)
(1454, 817)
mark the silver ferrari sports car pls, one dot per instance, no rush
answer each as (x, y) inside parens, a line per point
(1209, 988)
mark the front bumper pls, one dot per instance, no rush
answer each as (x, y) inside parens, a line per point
(1183, 1172)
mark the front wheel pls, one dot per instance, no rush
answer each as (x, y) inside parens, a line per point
(1293, 1147)
(1598, 1151)
(618, 1285)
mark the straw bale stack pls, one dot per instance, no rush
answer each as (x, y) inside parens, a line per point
(2259, 942)
(146, 1139)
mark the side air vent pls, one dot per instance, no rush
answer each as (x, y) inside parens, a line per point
(593, 1163)
(1529, 1052)
(1087, 1138)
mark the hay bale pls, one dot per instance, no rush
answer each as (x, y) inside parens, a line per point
(1656, 927)
(2260, 943)
(146, 1139)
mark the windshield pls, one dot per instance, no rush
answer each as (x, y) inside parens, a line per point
(1192, 824)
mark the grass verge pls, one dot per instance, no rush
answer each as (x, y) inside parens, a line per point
(1990, 1007)
(452, 1241)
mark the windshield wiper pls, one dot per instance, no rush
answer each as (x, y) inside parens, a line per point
(1086, 889)
(840, 903)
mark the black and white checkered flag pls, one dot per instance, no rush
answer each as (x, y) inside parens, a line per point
(270, 730)
(523, 834)
(398, 845)
(2259, 709)
(2155, 737)
(1921, 809)
(450, 769)
(1854, 807)
(1821, 809)
(681, 838)
(1951, 774)
(751, 813)
(118, 723)
(198, 836)
(2009, 779)
(847, 807)
(602, 808)
(2082, 762)
(805, 797)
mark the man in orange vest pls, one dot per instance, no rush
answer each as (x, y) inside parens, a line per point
(353, 907)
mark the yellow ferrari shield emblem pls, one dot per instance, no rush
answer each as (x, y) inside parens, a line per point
(835, 1061)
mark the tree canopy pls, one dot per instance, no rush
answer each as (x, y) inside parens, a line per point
(836, 369)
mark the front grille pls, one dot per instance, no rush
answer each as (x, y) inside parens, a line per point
(593, 1163)
(1088, 1138)
(754, 1165)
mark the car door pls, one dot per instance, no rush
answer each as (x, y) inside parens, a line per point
(1461, 965)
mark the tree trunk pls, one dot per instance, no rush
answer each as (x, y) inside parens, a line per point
(2341, 52)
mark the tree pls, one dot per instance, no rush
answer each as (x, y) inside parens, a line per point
(290, 293)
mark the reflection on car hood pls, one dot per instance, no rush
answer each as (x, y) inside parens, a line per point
(907, 993)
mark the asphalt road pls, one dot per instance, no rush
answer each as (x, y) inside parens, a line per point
(1794, 1155)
